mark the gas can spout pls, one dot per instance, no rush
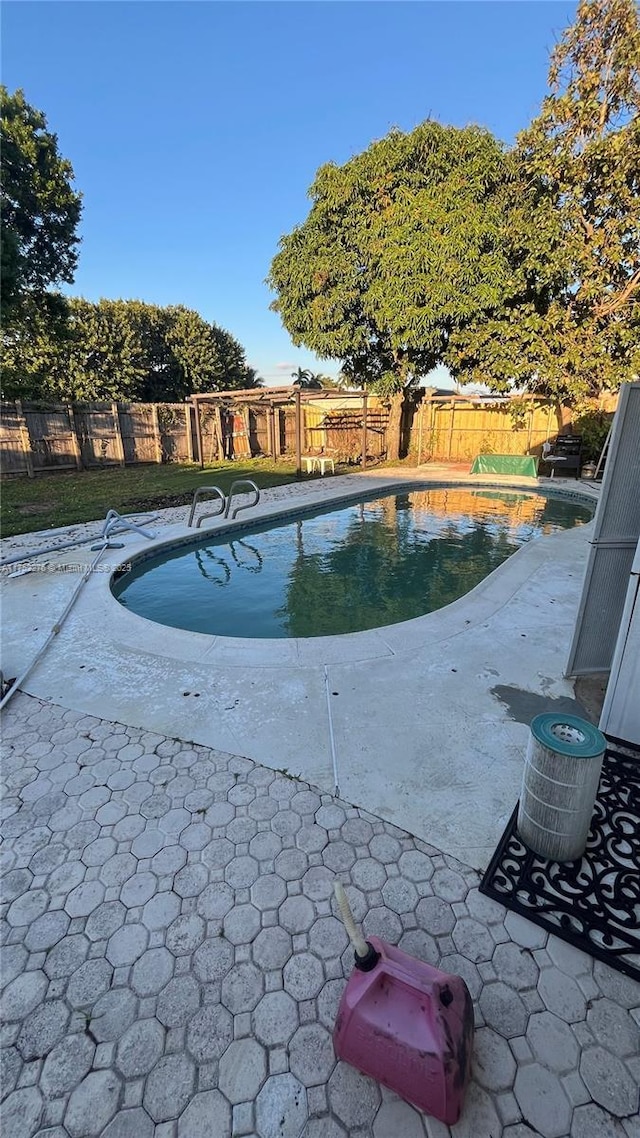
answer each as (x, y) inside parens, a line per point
(366, 956)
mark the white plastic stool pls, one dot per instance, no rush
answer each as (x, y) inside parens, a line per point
(323, 462)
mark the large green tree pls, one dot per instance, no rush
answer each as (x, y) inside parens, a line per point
(40, 210)
(118, 349)
(518, 269)
(232, 373)
(402, 245)
(569, 324)
(33, 348)
(91, 352)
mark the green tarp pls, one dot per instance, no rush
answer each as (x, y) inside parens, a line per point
(522, 464)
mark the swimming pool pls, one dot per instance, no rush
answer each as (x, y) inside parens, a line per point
(366, 564)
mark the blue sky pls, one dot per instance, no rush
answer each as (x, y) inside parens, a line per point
(195, 129)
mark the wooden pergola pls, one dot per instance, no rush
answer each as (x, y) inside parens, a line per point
(272, 398)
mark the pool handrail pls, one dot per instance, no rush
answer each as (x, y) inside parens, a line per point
(247, 505)
(214, 513)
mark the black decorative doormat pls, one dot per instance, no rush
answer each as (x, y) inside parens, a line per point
(594, 902)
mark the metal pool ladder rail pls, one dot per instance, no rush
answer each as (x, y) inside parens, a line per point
(223, 503)
(234, 490)
(196, 498)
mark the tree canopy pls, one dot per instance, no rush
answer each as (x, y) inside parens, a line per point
(400, 246)
(515, 268)
(569, 325)
(40, 209)
(119, 349)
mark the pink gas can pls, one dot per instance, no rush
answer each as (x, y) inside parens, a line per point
(409, 1026)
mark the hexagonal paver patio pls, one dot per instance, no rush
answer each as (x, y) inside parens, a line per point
(172, 962)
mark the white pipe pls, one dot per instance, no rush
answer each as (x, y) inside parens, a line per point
(54, 631)
(336, 786)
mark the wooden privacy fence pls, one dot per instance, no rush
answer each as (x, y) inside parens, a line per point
(456, 430)
(65, 436)
(35, 438)
(226, 425)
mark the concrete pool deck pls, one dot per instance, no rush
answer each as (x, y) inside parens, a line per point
(429, 716)
(421, 735)
(171, 960)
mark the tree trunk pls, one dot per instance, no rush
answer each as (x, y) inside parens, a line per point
(564, 416)
(394, 426)
(567, 414)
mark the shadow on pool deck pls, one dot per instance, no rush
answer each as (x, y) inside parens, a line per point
(522, 706)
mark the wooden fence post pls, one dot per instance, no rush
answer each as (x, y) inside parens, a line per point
(25, 439)
(219, 430)
(118, 433)
(156, 431)
(298, 435)
(453, 411)
(246, 418)
(432, 427)
(364, 430)
(75, 444)
(421, 413)
(275, 414)
(187, 423)
(196, 405)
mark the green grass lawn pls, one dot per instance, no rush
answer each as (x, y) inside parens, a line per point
(52, 500)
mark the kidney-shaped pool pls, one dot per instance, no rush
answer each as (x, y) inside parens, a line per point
(344, 568)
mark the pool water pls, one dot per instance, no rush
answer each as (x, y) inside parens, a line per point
(346, 568)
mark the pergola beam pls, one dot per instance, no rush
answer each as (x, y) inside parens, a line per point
(273, 395)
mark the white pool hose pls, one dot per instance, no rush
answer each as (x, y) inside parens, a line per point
(114, 523)
(121, 525)
(360, 946)
(54, 630)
